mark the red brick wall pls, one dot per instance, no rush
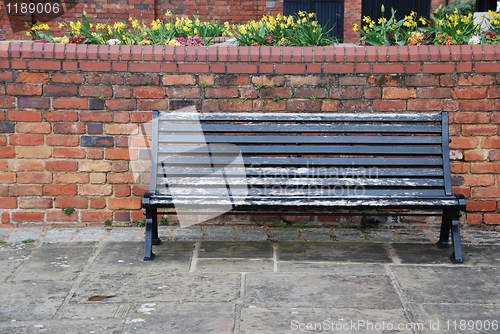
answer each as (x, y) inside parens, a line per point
(71, 116)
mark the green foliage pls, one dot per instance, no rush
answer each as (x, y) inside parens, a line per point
(141, 223)
(108, 223)
(463, 7)
(28, 241)
(163, 221)
(301, 29)
(68, 211)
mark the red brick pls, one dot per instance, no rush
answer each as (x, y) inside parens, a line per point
(24, 116)
(26, 165)
(97, 203)
(472, 117)
(70, 103)
(68, 78)
(434, 93)
(70, 153)
(469, 93)
(149, 92)
(33, 127)
(302, 93)
(398, 93)
(235, 105)
(473, 205)
(27, 217)
(282, 92)
(479, 105)
(479, 130)
(96, 217)
(71, 202)
(99, 66)
(476, 80)
(121, 129)
(121, 178)
(35, 203)
(491, 143)
(34, 177)
(52, 65)
(184, 92)
(95, 190)
(60, 189)
(60, 90)
(60, 216)
(145, 67)
(61, 116)
(62, 140)
(494, 155)
(335, 68)
(122, 191)
(26, 190)
(464, 143)
(24, 89)
(150, 104)
(485, 168)
(69, 128)
(61, 165)
(492, 218)
(124, 203)
(329, 105)
(423, 105)
(268, 105)
(438, 68)
(389, 105)
(33, 152)
(193, 68)
(94, 91)
(121, 154)
(33, 77)
(8, 203)
(474, 219)
(475, 155)
(479, 180)
(26, 139)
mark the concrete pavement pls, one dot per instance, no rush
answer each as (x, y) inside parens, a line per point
(220, 279)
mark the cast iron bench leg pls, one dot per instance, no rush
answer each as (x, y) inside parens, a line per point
(456, 257)
(444, 236)
(148, 236)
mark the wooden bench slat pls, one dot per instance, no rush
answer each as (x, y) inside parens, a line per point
(308, 162)
(293, 172)
(285, 149)
(323, 139)
(304, 117)
(301, 128)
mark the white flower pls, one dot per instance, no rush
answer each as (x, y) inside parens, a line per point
(474, 40)
(113, 41)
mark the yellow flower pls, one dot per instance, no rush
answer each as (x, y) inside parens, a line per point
(301, 14)
(314, 24)
(144, 42)
(382, 20)
(60, 25)
(355, 28)
(304, 20)
(459, 32)
(195, 31)
(424, 22)
(168, 13)
(311, 15)
(28, 34)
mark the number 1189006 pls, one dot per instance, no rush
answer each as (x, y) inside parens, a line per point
(32, 8)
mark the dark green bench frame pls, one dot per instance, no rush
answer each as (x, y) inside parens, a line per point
(399, 161)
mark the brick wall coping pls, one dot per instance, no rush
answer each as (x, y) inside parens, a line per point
(346, 53)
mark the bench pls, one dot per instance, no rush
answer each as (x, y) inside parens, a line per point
(326, 164)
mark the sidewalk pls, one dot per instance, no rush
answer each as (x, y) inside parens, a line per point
(221, 279)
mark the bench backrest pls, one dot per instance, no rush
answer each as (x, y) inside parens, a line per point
(361, 154)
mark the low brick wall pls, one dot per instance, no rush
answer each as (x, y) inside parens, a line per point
(71, 116)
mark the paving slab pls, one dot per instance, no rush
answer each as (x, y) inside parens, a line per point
(93, 311)
(20, 234)
(488, 255)
(453, 284)
(331, 268)
(284, 234)
(183, 318)
(31, 301)
(320, 290)
(234, 265)
(4, 232)
(457, 318)
(316, 234)
(63, 327)
(59, 235)
(190, 233)
(220, 233)
(320, 320)
(422, 253)
(59, 261)
(12, 256)
(381, 235)
(145, 287)
(236, 249)
(116, 258)
(413, 235)
(252, 234)
(90, 234)
(347, 234)
(333, 251)
(124, 234)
